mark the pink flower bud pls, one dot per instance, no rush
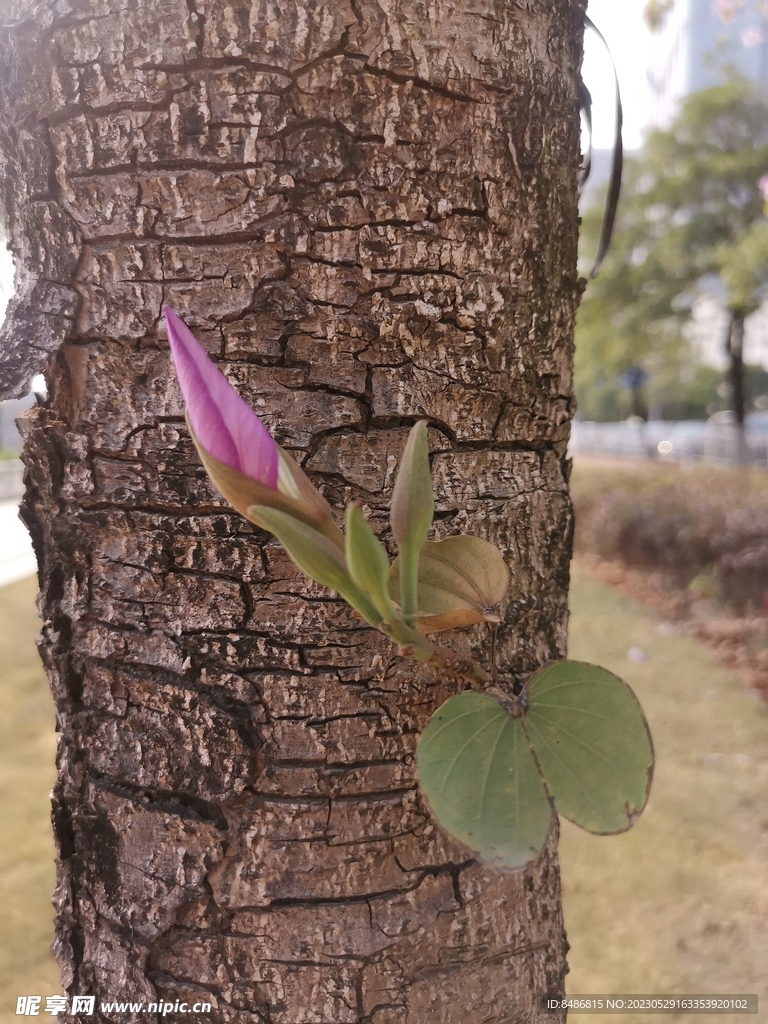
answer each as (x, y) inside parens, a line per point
(224, 425)
(240, 456)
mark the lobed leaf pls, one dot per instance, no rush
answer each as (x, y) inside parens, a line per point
(582, 748)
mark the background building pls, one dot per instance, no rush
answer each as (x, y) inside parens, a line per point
(698, 43)
(695, 48)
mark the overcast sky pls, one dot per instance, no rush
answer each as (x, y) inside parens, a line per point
(630, 42)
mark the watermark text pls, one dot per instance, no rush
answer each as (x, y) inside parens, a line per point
(35, 1006)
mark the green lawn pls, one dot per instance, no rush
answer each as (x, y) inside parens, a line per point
(679, 904)
(27, 752)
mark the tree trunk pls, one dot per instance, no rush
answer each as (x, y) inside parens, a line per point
(735, 349)
(367, 212)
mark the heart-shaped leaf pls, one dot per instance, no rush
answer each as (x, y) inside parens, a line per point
(582, 743)
(462, 580)
(479, 776)
(592, 743)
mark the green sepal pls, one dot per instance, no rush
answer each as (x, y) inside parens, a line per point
(292, 479)
(462, 580)
(367, 562)
(299, 500)
(315, 555)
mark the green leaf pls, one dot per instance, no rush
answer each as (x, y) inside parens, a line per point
(462, 580)
(315, 555)
(480, 779)
(592, 743)
(411, 515)
(582, 744)
(368, 562)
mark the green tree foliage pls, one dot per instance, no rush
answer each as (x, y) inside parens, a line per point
(686, 392)
(691, 220)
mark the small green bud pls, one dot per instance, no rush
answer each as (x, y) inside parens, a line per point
(413, 508)
(413, 505)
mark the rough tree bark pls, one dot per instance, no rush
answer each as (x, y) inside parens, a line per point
(367, 211)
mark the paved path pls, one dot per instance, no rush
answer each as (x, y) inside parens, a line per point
(17, 559)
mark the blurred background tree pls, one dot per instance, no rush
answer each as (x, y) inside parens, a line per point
(691, 222)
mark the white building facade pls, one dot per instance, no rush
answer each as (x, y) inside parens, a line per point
(698, 42)
(697, 45)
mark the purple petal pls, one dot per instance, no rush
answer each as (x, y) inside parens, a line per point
(225, 425)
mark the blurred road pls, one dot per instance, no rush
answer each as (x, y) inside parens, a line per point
(714, 442)
(17, 559)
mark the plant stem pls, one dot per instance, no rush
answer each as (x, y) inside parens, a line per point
(459, 666)
(409, 581)
(413, 644)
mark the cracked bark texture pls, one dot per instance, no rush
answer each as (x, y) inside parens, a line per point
(367, 212)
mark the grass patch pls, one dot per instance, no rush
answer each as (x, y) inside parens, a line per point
(593, 475)
(27, 753)
(680, 903)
